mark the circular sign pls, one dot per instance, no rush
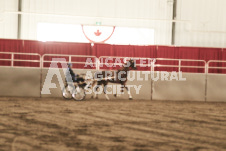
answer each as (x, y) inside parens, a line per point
(98, 33)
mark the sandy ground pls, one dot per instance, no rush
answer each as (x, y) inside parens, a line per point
(138, 125)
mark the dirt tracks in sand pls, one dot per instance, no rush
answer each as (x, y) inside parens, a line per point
(56, 124)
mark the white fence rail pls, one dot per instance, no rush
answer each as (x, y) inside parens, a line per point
(13, 59)
(69, 58)
(153, 62)
(210, 66)
(179, 64)
(97, 63)
(143, 62)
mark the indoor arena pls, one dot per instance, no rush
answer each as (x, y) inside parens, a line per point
(112, 75)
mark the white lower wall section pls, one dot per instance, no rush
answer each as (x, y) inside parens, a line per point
(22, 82)
(25, 82)
(216, 88)
(193, 89)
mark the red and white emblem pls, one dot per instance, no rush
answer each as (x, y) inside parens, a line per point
(98, 33)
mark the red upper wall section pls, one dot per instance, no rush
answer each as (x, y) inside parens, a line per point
(28, 46)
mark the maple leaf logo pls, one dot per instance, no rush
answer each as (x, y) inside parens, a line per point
(97, 33)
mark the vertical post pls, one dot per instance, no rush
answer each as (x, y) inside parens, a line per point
(40, 61)
(70, 58)
(206, 78)
(152, 75)
(43, 61)
(19, 19)
(97, 64)
(12, 59)
(41, 68)
(179, 66)
(173, 23)
(206, 67)
(153, 65)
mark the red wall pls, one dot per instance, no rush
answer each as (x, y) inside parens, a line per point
(28, 46)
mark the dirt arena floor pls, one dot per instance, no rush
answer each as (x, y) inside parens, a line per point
(115, 125)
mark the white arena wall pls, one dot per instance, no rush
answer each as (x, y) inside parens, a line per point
(20, 82)
(192, 89)
(28, 82)
(216, 84)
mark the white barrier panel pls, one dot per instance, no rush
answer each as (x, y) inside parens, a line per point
(216, 88)
(22, 82)
(193, 89)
